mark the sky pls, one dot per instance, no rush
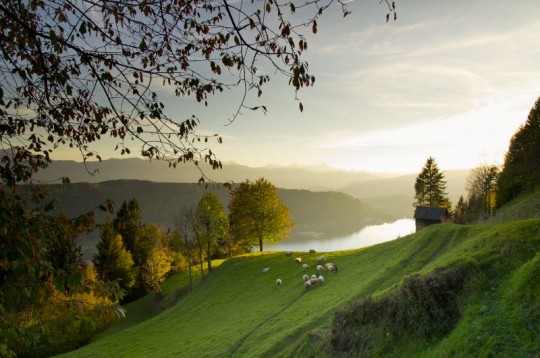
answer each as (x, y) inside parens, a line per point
(449, 79)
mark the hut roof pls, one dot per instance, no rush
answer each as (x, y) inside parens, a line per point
(430, 213)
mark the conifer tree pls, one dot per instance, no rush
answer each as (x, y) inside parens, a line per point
(521, 169)
(430, 186)
(113, 261)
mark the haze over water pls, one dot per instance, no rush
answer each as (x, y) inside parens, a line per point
(368, 236)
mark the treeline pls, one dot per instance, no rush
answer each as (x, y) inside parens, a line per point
(488, 186)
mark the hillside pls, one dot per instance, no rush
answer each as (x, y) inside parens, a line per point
(448, 290)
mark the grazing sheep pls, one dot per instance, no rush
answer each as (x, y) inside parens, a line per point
(321, 259)
(333, 268)
(298, 260)
(288, 253)
(307, 285)
(266, 269)
(305, 277)
(313, 277)
(319, 268)
(312, 251)
(320, 279)
(314, 281)
(278, 282)
(328, 264)
(305, 266)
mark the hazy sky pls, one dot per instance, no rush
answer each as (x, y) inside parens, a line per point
(449, 79)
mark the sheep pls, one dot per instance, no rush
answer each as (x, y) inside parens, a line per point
(266, 269)
(333, 268)
(298, 260)
(313, 281)
(307, 285)
(311, 251)
(328, 264)
(320, 279)
(305, 277)
(313, 277)
(288, 253)
(278, 282)
(321, 259)
(319, 268)
(305, 266)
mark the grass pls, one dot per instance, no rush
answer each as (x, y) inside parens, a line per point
(237, 311)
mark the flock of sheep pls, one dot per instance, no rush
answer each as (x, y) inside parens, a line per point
(314, 279)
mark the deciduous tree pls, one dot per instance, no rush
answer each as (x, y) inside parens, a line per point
(212, 221)
(257, 214)
(481, 187)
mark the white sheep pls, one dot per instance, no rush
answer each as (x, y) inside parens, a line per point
(305, 277)
(305, 266)
(307, 285)
(288, 253)
(313, 281)
(298, 260)
(278, 282)
(320, 279)
(266, 269)
(328, 264)
(313, 277)
(319, 268)
(332, 268)
(321, 259)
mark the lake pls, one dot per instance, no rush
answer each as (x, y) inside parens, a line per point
(368, 236)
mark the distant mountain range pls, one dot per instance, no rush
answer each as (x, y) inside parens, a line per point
(360, 184)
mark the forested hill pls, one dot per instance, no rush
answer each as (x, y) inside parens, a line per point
(160, 202)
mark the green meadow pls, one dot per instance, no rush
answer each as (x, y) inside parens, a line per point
(480, 297)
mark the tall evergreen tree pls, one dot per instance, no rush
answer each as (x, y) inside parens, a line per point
(127, 223)
(258, 215)
(521, 169)
(430, 186)
(113, 261)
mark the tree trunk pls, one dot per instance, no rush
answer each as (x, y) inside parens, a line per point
(260, 245)
(208, 258)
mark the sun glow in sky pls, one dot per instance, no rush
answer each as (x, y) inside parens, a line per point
(449, 79)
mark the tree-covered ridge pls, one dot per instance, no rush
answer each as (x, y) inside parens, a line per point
(521, 169)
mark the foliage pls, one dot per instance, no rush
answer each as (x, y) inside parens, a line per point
(212, 223)
(521, 169)
(430, 185)
(46, 289)
(112, 261)
(73, 73)
(127, 222)
(460, 211)
(257, 214)
(156, 266)
(481, 187)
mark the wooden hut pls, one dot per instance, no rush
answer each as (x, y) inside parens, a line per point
(428, 215)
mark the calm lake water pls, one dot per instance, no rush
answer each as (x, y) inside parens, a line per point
(368, 236)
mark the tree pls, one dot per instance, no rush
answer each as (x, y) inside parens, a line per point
(430, 186)
(127, 223)
(184, 220)
(155, 269)
(112, 261)
(212, 221)
(482, 186)
(152, 246)
(521, 169)
(257, 214)
(460, 211)
(75, 72)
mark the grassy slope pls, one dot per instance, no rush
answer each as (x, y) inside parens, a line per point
(238, 311)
